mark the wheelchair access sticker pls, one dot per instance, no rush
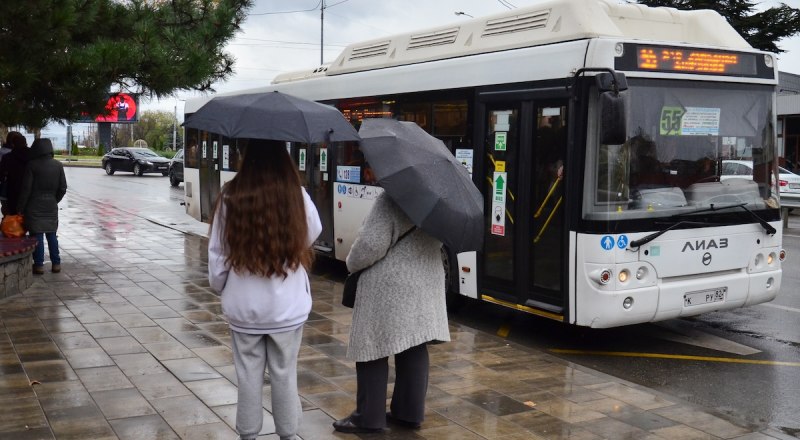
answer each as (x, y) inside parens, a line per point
(607, 242)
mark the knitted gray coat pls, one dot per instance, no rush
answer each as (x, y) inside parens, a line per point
(400, 300)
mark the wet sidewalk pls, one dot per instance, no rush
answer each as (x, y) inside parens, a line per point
(128, 342)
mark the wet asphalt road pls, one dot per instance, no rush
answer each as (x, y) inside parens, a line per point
(697, 361)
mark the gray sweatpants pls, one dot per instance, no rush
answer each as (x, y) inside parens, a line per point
(251, 354)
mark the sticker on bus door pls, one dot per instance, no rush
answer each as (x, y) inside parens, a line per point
(500, 140)
(323, 160)
(226, 155)
(301, 159)
(464, 157)
(499, 204)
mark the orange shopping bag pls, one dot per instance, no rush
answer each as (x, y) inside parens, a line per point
(13, 226)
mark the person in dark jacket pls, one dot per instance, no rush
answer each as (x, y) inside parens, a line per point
(12, 168)
(43, 186)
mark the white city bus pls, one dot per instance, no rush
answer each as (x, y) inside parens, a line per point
(596, 132)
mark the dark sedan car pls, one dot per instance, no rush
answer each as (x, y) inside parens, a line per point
(136, 160)
(176, 169)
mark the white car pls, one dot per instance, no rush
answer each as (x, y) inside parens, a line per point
(788, 182)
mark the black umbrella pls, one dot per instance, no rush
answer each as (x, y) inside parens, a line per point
(421, 175)
(272, 115)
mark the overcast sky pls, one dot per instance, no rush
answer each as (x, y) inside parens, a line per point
(284, 35)
(275, 40)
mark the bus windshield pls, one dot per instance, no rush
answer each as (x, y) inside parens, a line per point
(690, 146)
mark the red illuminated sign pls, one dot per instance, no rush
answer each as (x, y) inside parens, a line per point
(120, 108)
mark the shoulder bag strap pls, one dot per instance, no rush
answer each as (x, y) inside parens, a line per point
(405, 234)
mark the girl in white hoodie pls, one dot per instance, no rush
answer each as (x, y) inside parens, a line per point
(258, 253)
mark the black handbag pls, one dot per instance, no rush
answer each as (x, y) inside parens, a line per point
(351, 282)
(350, 287)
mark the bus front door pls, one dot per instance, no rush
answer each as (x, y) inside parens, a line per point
(524, 152)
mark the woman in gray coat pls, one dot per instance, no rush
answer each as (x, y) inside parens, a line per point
(399, 308)
(43, 186)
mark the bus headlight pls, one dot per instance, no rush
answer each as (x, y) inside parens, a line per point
(641, 273)
(623, 275)
(770, 259)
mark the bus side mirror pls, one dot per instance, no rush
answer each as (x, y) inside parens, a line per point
(606, 82)
(613, 123)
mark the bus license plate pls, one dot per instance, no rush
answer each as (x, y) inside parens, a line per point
(705, 296)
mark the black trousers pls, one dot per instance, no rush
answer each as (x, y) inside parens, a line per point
(410, 387)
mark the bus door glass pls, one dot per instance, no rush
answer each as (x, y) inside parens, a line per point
(307, 158)
(547, 171)
(524, 166)
(501, 148)
(209, 173)
(319, 188)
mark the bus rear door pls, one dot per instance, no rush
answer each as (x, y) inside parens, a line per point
(524, 157)
(209, 173)
(315, 164)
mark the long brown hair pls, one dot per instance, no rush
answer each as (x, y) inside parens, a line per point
(265, 220)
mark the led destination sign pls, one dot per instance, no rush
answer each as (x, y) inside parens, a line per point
(674, 59)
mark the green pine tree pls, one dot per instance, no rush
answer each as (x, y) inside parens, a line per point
(59, 59)
(763, 30)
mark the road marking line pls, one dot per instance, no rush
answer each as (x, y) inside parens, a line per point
(675, 356)
(778, 306)
(504, 330)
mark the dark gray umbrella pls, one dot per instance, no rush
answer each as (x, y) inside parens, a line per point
(272, 115)
(421, 175)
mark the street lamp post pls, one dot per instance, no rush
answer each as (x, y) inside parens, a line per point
(321, 30)
(69, 139)
(175, 129)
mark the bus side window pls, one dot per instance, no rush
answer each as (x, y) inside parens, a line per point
(351, 156)
(190, 153)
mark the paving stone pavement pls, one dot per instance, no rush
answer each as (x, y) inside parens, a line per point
(128, 342)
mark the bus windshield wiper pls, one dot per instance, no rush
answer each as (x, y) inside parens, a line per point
(647, 239)
(767, 227)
